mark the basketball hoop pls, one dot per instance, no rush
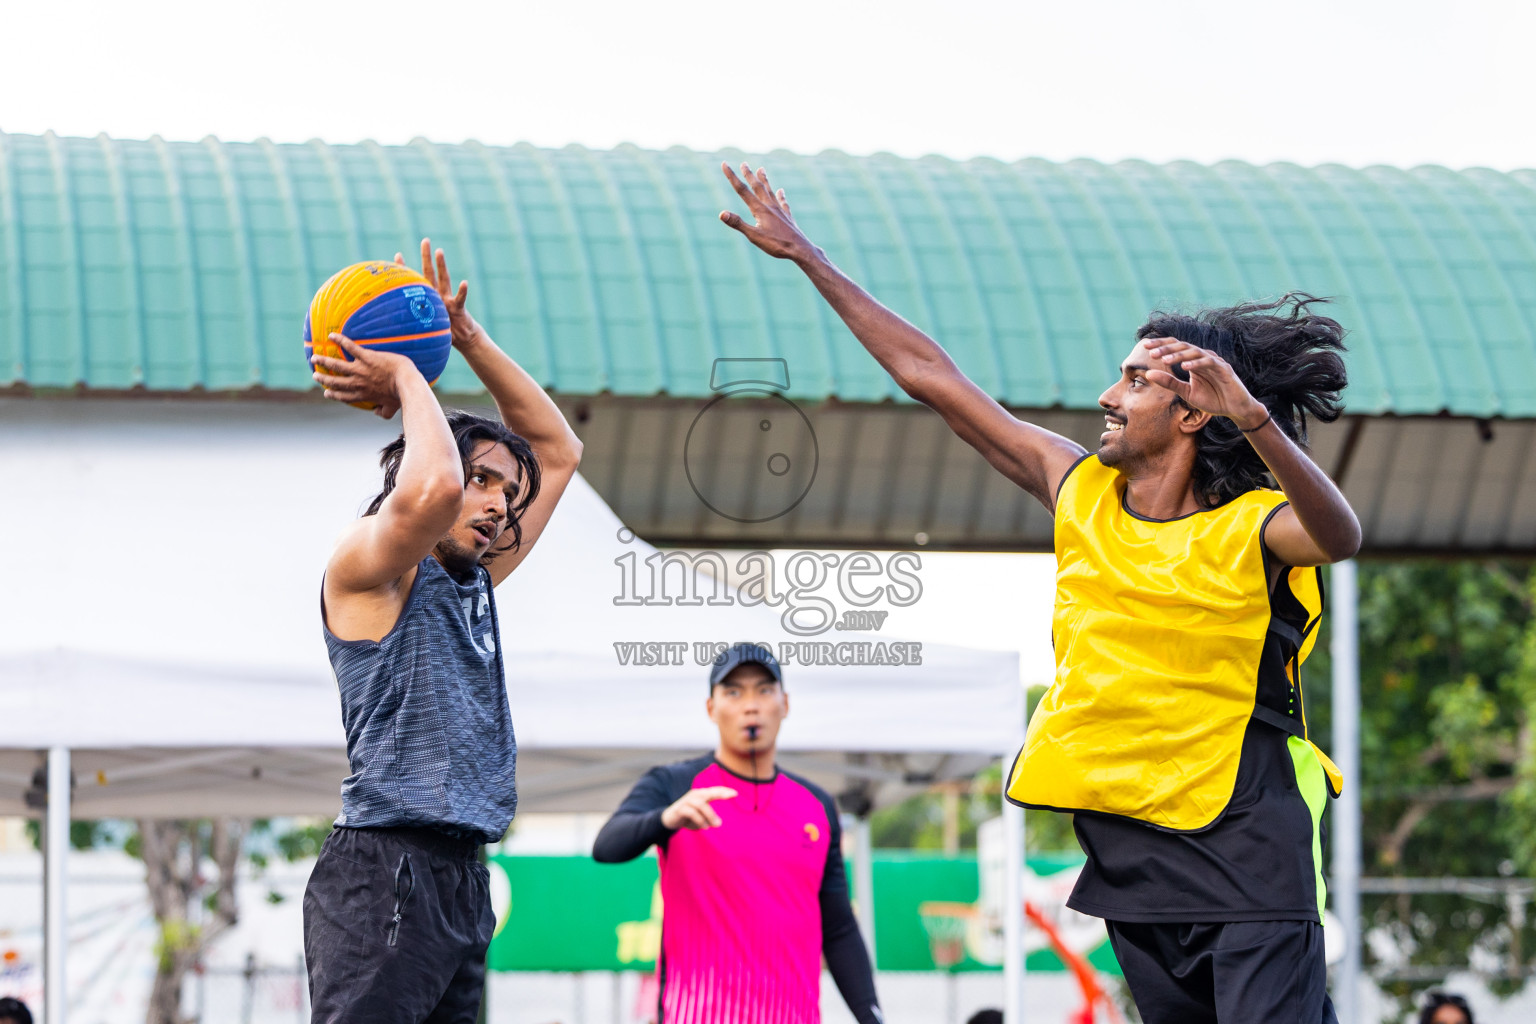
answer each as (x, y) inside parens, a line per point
(946, 925)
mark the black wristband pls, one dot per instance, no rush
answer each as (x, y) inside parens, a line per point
(1261, 426)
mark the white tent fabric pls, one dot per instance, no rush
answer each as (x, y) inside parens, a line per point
(160, 619)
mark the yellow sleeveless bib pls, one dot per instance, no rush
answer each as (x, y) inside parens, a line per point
(1167, 642)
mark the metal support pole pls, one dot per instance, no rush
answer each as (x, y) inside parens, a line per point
(864, 883)
(1346, 809)
(1013, 909)
(55, 864)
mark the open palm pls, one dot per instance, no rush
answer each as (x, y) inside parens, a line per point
(434, 267)
(773, 228)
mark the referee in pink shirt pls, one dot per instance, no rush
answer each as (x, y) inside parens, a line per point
(752, 875)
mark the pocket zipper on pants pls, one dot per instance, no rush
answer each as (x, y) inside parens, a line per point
(402, 871)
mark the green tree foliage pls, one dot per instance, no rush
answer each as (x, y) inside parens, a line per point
(1448, 774)
(918, 823)
(83, 835)
(292, 839)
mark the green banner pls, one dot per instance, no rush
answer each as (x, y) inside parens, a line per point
(573, 914)
(919, 897)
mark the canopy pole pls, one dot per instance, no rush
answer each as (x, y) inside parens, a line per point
(1346, 809)
(55, 864)
(864, 882)
(1013, 907)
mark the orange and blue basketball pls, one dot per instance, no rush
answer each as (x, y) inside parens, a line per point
(382, 306)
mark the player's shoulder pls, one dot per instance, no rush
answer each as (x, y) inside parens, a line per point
(826, 799)
(1257, 506)
(682, 772)
(801, 780)
(339, 569)
(1269, 497)
(1086, 464)
(347, 540)
(1085, 476)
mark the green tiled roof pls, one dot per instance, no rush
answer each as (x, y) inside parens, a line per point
(175, 266)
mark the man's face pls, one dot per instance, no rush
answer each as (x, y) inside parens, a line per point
(748, 696)
(1140, 418)
(1448, 1014)
(489, 494)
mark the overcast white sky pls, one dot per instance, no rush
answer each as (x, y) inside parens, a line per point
(1356, 81)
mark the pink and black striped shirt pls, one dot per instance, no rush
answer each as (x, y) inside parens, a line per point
(750, 907)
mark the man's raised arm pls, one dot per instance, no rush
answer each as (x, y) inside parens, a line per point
(522, 404)
(1318, 527)
(1032, 457)
(429, 487)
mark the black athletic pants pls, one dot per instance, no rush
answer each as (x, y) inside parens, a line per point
(396, 925)
(1228, 973)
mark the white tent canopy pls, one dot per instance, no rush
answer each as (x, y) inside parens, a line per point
(161, 621)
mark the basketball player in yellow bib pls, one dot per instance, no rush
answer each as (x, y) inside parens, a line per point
(1187, 597)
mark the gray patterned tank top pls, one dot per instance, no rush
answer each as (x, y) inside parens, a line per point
(429, 733)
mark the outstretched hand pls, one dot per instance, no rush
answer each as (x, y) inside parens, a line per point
(692, 810)
(1213, 386)
(434, 267)
(773, 227)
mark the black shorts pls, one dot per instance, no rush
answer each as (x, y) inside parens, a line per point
(1225, 973)
(397, 922)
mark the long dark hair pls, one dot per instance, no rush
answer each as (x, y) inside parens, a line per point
(1434, 1000)
(469, 431)
(1288, 358)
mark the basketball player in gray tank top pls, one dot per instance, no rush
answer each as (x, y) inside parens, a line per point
(397, 916)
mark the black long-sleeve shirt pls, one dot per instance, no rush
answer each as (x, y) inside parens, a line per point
(746, 901)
